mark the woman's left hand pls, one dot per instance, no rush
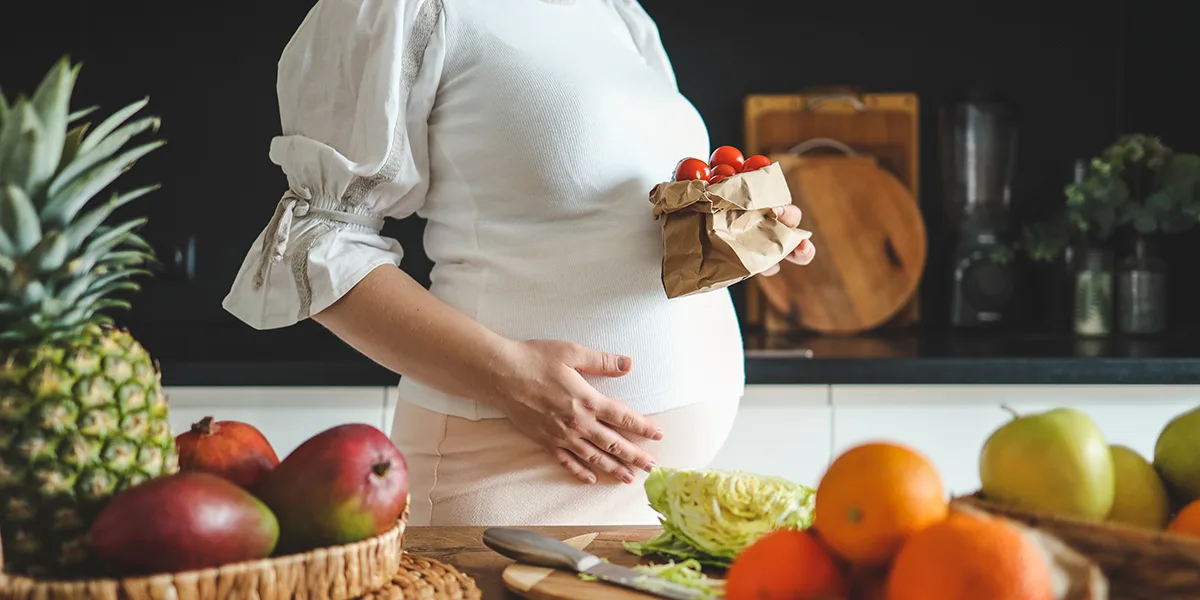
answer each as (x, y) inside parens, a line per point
(804, 253)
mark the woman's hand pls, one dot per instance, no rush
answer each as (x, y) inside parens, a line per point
(804, 253)
(539, 385)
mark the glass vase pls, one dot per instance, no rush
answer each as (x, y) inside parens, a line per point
(1094, 293)
(1142, 289)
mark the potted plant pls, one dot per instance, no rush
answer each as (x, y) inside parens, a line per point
(1136, 191)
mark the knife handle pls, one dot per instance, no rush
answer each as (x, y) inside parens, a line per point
(535, 549)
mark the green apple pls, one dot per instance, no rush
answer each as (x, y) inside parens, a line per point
(1141, 498)
(1053, 462)
(1177, 455)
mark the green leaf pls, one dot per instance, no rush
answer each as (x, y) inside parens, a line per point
(79, 230)
(7, 246)
(8, 308)
(110, 124)
(3, 110)
(18, 144)
(1145, 224)
(81, 113)
(1183, 169)
(51, 253)
(19, 218)
(63, 206)
(104, 150)
(52, 101)
(7, 266)
(34, 294)
(71, 145)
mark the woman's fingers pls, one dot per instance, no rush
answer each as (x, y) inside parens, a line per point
(616, 445)
(771, 270)
(803, 254)
(619, 415)
(576, 467)
(597, 459)
(788, 215)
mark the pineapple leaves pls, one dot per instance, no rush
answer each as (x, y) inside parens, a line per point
(51, 253)
(82, 228)
(51, 101)
(81, 113)
(71, 145)
(18, 144)
(105, 149)
(110, 124)
(62, 207)
(18, 216)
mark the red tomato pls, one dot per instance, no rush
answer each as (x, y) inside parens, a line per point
(692, 168)
(723, 170)
(755, 162)
(717, 178)
(727, 155)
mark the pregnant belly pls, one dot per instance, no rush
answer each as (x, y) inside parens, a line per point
(614, 302)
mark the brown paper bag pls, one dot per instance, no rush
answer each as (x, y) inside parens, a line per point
(717, 235)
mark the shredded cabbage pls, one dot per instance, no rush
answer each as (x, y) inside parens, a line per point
(711, 515)
(688, 573)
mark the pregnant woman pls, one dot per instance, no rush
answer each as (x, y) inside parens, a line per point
(545, 370)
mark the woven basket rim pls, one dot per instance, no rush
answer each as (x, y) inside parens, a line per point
(247, 566)
(1109, 526)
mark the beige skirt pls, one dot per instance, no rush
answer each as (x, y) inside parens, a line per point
(486, 473)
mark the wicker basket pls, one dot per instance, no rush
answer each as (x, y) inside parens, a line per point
(334, 573)
(1140, 564)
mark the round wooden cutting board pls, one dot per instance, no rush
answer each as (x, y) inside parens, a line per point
(871, 245)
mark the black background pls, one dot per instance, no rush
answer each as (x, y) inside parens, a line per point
(1080, 72)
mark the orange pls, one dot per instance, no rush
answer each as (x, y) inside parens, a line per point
(874, 496)
(785, 565)
(969, 556)
(1187, 521)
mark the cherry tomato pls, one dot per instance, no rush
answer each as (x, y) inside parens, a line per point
(692, 168)
(723, 170)
(755, 162)
(727, 155)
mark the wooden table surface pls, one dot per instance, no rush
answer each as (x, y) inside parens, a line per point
(463, 548)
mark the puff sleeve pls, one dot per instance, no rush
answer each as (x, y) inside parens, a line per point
(356, 84)
(644, 32)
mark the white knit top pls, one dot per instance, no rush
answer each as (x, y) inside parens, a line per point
(529, 134)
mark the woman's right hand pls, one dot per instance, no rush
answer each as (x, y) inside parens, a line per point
(539, 385)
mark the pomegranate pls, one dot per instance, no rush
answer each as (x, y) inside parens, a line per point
(233, 450)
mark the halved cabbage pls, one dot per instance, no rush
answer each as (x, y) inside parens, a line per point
(711, 515)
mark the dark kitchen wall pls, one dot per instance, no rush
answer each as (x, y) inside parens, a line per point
(209, 69)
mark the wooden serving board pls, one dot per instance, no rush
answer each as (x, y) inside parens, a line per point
(871, 244)
(881, 125)
(539, 583)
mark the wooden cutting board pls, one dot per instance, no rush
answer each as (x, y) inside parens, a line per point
(871, 245)
(539, 583)
(883, 125)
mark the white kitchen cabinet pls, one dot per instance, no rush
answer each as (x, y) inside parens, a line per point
(781, 430)
(286, 415)
(950, 423)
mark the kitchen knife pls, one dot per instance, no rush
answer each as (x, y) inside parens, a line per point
(532, 548)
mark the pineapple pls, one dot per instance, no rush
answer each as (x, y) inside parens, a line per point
(83, 415)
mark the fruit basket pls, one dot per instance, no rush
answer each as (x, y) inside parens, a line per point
(333, 573)
(1139, 563)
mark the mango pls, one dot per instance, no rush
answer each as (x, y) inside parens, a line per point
(343, 485)
(189, 520)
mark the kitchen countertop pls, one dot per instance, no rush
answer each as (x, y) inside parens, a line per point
(462, 548)
(903, 358)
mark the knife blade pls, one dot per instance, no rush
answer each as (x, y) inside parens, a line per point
(531, 548)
